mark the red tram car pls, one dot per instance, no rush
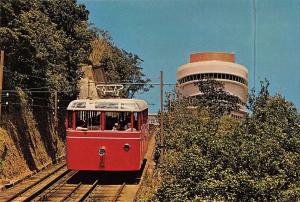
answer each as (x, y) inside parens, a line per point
(107, 134)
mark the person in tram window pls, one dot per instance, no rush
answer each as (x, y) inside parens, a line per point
(129, 127)
(126, 127)
(81, 125)
(115, 127)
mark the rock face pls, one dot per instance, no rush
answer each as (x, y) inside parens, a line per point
(13, 163)
(28, 141)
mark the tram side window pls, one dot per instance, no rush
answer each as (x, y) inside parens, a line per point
(89, 120)
(70, 119)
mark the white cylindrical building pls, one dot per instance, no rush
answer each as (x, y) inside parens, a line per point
(214, 65)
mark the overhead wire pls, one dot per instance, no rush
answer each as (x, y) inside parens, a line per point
(39, 89)
(15, 103)
(7, 71)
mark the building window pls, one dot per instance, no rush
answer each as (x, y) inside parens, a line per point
(212, 76)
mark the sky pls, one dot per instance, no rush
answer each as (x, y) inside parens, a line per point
(165, 32)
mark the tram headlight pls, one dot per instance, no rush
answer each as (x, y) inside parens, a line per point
(102, 151)
(126, 147)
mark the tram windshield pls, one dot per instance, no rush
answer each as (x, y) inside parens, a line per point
(90, 120)
(120, 120)
(95, 120)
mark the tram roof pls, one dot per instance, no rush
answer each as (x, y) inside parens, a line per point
(125, 105)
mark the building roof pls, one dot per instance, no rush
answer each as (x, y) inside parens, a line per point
(207, 56)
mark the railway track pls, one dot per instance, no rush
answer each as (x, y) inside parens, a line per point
(47, 192)
(111, 193)
(64, 191)
(30, 185)
(55, 186)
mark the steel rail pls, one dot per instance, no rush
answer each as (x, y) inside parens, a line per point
(34, 184)
(71, 192)
(45, 187)
(91, 189)
(64, 180)
(117, 195)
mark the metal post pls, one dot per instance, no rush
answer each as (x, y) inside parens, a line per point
(1, 81)
(88, 90)
(55, 108)
(161, 111)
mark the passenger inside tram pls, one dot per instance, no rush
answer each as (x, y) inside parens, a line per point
(128, 127)
(88, 120)
(116, 126)
(91, 120)
(122, 119)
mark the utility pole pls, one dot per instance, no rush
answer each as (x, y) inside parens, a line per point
(161, 111)
(88, 90)
(1, 81)
(55, 109)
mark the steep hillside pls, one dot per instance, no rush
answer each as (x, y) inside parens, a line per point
(28, 141)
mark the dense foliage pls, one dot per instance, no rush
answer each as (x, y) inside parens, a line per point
(120, 66)
(212, 157)
(214, 96)
(46, 42)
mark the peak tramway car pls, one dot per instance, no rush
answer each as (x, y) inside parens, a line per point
(106, 134)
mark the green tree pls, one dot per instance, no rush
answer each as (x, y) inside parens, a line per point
(209, 157)
(47, 40)
(120, 65)
(46, 43)
(213, 95)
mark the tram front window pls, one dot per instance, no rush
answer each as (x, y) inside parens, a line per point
(88, 120)
(92, 120)
(117, 120)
